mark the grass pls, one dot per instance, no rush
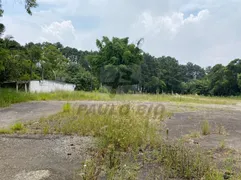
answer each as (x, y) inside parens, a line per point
(222, 145)
(67, 107)
(192, 135)
(5, 131)
(124, 131)
(129, 146)
(221, 130)
(205, 128)
(17, 127)
(9, 96)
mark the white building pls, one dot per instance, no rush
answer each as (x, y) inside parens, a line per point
(49, 86)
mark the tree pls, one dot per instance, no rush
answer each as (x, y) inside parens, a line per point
(218, 81)
(83, 79)
(2, 27)
(53, 62)
(34, 54)
(194, 72)
(171, 73)
(4, 58)
(117, 62)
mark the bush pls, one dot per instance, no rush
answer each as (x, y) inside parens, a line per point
(67, 107)
(17, 127)
(103, 89)
(122, 130)
(205, 128)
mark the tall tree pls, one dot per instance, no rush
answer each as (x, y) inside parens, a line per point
(171, 73)
(2, 27)
(53, 62)
(117, 62)
(194, 72)
(34, 54)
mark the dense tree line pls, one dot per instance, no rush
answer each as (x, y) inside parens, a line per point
(117, 64)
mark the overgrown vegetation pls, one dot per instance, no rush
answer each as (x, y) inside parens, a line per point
(5, 131)
(130, 146)
(17, 127)
(206, 130)
(120, 128)
(67, 107)
(9, 96)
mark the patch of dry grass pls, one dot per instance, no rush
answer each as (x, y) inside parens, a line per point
(8, 97)
(130, 146)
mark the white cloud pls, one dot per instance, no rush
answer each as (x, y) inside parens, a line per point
(98, 2)
(200, 16)
(201, 31)
(55, 2)
(65, 33)
(172, 22)
(59, 31)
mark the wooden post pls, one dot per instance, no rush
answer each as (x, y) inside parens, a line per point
(25, 85)
(17, 86)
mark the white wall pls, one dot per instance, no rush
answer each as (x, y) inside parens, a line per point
(49, 86)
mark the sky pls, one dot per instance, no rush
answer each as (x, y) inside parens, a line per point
(204, 32)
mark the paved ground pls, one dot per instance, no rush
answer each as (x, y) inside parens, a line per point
(226, 121)
(28, 111)
(38, 157)
(59, 157)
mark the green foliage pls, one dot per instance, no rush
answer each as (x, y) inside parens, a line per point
(17, 127)
(117, 62)
(67, 107)
(119, 65)
(121, 130)
(8, 97)
(5, 131)
(103, 89)
(205, 128)
(165, 74)
(82, 78)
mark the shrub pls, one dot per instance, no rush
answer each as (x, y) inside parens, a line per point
(17, 127)
(103, 89)
(67, 107)
(205, 128)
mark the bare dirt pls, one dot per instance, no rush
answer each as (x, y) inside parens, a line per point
(37, 157)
